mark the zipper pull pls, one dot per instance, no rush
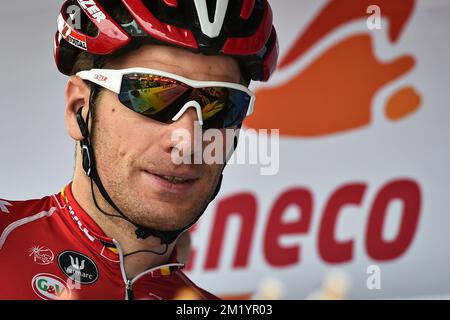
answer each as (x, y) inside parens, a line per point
(130, 294)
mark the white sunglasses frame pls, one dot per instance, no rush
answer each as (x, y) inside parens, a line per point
(111, 79)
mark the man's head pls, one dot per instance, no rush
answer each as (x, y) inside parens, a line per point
(131, 149)
(224, 41)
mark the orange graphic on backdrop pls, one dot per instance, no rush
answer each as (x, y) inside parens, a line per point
(335, 92)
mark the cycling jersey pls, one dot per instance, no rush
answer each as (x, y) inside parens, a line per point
(51, 249)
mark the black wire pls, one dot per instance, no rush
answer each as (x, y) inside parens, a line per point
(98, 207)
(121, 217)
(98, 63)
(148, 251)
(141, 232)
(116, 216)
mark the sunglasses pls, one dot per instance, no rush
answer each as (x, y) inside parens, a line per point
(164, 96)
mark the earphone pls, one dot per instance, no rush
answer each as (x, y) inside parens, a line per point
(85, 144)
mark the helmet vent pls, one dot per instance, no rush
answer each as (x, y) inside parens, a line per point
(211, 28)
(212, 5)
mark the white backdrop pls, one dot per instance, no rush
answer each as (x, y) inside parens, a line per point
(373, 149)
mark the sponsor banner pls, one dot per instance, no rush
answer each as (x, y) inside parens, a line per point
(358, 207)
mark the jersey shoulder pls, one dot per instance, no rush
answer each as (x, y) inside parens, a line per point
(12, 211)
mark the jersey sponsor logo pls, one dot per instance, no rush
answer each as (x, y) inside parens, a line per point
(78, 267)
(92, 9)
(80, 224)
(42, 255)
(50, 287)
(4, 206)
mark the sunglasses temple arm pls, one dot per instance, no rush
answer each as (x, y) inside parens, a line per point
(108, 79)
(251, 105)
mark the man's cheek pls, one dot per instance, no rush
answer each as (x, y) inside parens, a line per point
(214, 174)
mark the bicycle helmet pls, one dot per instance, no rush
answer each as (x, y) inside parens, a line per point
(241, 29)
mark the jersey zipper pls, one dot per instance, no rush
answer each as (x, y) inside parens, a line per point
(129, 295)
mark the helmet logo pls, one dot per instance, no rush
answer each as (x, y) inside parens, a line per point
(211, 29)
(93, 10)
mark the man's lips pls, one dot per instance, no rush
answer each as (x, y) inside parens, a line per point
(173, 182)
(188, 176)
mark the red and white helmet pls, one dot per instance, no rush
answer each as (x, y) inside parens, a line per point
(241, 29)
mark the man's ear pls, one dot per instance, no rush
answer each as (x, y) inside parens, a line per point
(77, 96)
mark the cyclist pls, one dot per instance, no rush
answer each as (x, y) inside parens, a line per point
(139, 69)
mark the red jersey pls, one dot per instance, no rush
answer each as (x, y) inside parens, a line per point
(51, 249)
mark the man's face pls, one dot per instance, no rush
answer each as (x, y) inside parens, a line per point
(132, 151)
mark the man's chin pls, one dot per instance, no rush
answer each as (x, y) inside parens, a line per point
(165, 227)
(168, 219)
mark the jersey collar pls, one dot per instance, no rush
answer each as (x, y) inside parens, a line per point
(89, 230)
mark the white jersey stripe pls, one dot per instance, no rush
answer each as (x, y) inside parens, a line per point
(23, 221)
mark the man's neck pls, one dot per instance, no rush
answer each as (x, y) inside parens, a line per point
(122, 231)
